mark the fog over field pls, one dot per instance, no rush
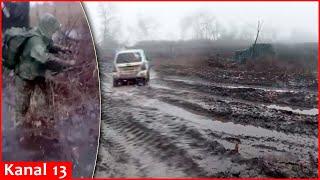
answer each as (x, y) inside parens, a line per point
(289, 22)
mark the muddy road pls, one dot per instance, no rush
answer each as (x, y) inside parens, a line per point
(179, 126)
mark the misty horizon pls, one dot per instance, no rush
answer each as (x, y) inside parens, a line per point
(129, 23)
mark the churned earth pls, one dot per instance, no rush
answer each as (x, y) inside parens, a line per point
(190, 126)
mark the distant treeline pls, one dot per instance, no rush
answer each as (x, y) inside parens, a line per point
(170, 49)
(305, 54)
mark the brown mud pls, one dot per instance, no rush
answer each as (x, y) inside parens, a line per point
(185, 125)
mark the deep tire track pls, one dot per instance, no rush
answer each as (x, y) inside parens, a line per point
(158, 144)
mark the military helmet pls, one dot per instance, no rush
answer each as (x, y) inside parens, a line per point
(48, 25)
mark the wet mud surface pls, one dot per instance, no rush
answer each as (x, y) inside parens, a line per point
(179, 126)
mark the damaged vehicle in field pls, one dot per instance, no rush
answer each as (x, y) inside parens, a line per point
(255, 51)
(131, 65)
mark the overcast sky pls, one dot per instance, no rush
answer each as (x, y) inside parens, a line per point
(289, 21)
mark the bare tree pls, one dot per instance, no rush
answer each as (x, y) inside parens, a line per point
(37, 13)
(257, 36)
(146, 27)
(110, 29)
(203, 26)
(106, 19)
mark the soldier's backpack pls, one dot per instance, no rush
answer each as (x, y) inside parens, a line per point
(14, 40)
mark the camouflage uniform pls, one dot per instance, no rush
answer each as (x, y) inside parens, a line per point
(30, 72)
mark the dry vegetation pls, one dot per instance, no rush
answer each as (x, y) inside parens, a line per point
(75, 98)
(79, 84)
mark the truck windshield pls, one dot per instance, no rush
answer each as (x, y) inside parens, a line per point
(128, 57)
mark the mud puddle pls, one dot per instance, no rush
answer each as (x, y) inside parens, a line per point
(311, 112)
(230, 86)
(267, 95)
(226, 127)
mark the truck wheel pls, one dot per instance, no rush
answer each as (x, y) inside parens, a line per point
(115, 83)
(148, 78)
(141, 82)
(145, 82)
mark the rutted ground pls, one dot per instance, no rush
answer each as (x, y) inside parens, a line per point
(183, 127)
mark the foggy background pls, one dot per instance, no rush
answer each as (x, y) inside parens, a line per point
(128, 23)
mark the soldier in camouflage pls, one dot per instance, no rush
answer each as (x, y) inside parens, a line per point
(36, 61)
